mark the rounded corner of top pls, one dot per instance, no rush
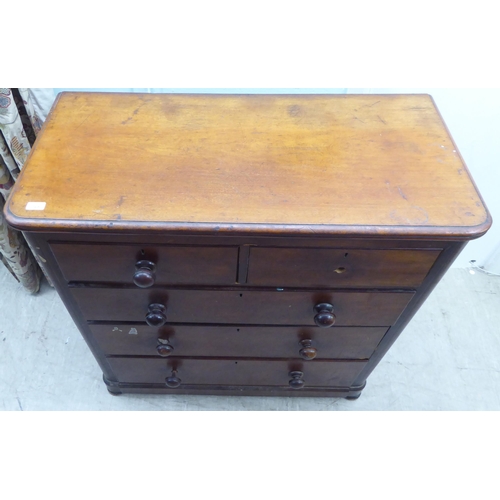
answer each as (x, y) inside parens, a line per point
(481, 229)
(11, 218)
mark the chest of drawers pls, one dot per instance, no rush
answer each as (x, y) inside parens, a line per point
(244, 245)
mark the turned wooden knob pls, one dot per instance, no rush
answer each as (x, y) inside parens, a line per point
(324, 315)
(173, 381)
(163, 348)
(144, 276)
(308, 351)
(296, 381)
(156, 315)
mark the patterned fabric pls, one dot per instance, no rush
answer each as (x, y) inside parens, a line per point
(42, 100)
(6, 181)
(19, 124)
(7, 158)
(35, 120)
(12, 129)
(17, 256)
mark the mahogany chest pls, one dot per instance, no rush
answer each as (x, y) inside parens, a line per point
(244, 244)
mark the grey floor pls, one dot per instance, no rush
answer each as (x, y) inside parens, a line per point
(448, 358)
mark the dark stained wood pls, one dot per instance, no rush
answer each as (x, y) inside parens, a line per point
(166, 238)
(174, 264)
(339, 267)
(243, 256)
(233, 372)
(246, 307)
(118, 339)
(40, 246)
(436, 273)
(248, 163)
(240, 390)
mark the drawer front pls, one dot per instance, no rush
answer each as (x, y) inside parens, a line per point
(247, 307)
(339, 268)
(237, 341)
(236, 372)
(174, 264)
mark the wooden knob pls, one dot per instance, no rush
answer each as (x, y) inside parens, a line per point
(173, 381)
(156, 315)
(324, 315)
(164, 350)
(296, 381)
(144, 276)
(308, 351)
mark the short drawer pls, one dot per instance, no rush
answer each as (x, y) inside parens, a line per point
(231, 372)
(173, 264)
(339, 268)
(245, 307)
(236, 341)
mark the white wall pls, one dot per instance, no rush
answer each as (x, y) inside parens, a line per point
(472, 116)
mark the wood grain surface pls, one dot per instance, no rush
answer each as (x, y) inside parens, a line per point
(338, 267)
(367, 164)
(240, 372)
(174, 264)
(237, 341)
(245, 307)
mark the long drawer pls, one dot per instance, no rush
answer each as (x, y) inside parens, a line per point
(174, 264)
(247, 307)
(230, 372)
(239, 341)
(339, 267)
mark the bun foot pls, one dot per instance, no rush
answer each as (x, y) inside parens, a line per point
(352, 398)
(355, 392)
(112, 387)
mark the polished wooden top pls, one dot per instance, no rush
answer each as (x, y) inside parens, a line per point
(313, 164)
